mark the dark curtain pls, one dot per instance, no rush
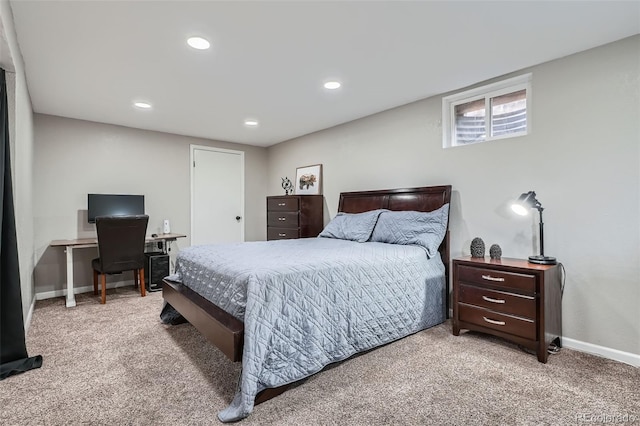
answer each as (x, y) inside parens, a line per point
(13, 349)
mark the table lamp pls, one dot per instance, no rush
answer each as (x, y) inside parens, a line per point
(522, 206)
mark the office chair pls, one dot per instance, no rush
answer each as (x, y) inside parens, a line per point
(121, 241)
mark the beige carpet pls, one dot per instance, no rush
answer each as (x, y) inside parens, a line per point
(117, 364)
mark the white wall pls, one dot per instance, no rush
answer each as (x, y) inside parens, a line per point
(582, 158)
(21, 145)
(75, 157)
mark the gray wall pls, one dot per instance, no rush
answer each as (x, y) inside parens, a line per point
(74, 158)
(582, 158)
(21, 145)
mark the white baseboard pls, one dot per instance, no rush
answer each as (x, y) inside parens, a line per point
(27, 321)
(77, 290)
(590, 348)
(614, 354)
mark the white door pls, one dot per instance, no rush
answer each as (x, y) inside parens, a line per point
(217, 195)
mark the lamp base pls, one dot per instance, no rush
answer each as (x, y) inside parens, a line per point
(543, 260)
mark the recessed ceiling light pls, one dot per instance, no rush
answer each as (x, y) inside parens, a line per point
(198, 43)
(250, 122)
(332, 85)
(142, 105)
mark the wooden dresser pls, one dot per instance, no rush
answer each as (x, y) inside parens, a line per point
(294, 216)
(510, 298)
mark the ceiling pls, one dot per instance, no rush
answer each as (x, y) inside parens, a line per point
(268, 60)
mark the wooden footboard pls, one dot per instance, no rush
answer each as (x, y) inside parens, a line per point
(222, 329)
(219, 327)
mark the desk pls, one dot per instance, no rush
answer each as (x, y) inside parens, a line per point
(71, 245)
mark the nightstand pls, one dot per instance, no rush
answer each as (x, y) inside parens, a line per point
(510, 298)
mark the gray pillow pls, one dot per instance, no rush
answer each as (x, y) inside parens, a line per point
(352, 226)
(411, 227)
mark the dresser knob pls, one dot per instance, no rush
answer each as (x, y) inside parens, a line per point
(282, 234)
(282, 204)
(282, 218)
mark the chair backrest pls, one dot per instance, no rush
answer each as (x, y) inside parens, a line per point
(121, 241)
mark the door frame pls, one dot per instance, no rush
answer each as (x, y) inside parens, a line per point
(192, 149)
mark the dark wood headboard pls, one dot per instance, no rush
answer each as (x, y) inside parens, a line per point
(423, 199)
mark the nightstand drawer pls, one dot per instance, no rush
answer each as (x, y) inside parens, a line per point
(289, 204)
(500, 301)
(282, 219)
(281, 233)
(495, 277)
(497, 321)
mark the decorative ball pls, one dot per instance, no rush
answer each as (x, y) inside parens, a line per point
(495, 251)
(477, 247)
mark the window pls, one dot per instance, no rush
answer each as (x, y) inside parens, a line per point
(494, 111)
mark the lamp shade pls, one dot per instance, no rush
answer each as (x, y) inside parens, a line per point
(525, 202)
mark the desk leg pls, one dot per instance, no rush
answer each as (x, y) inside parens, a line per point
(166, 249)
(71, 298)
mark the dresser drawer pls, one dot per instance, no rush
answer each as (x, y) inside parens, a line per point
(282, 219)
(282, 233)
(294, 216)
(288, 204)
(500, 301)
(496, 321)
(512, 280)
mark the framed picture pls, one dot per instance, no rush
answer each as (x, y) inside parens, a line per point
(308, 180)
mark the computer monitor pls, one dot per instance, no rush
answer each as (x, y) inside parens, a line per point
(113, 205)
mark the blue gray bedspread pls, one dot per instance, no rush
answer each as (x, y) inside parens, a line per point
(310, 302)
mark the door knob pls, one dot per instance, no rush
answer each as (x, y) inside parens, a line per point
(238, 218)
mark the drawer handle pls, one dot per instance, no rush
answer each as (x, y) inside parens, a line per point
(282, 204)
(282, 234)
(282, 218)
(489, 299)
(490, 278)
(490, 321)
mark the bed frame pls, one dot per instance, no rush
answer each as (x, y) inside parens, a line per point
(227, 332)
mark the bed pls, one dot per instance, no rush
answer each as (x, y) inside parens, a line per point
(288, 308)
